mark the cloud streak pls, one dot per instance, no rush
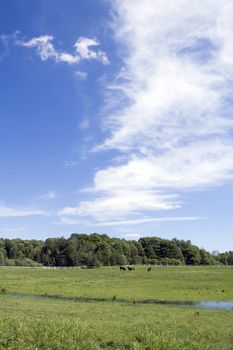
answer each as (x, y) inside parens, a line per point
(132, 222)
(6, 211)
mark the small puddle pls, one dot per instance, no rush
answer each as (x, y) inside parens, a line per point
(221, 305)
(216, 305)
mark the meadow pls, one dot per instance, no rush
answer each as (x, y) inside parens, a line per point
(119, 322)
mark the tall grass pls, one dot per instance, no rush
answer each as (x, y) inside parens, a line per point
(56, 334)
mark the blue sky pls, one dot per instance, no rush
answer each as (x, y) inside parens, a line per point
(117, 118)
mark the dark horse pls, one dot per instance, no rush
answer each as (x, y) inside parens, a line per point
(149, 269)
(130, 268)
(122, 268)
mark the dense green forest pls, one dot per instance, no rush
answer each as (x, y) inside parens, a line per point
(100, 250)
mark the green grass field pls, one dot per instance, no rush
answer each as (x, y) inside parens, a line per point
(32, 323)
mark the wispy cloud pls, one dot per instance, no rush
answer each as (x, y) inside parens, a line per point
(119, 203)
(84, 124)
(176, 75)
(81, 75)
(116, 223)
(148, 220)
(70, 163)
(4, 42)
(6, 211)
(173, 122)
(83, 50)
(49, 195)
(13, 229)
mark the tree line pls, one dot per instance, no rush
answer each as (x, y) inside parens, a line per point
(100, 250)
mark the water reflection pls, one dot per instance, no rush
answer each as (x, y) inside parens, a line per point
(223, 305)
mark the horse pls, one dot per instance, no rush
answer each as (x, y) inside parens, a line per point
(130, 268)
(149, 269)
(122, 268)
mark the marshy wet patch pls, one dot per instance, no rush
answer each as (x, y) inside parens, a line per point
(216, 305)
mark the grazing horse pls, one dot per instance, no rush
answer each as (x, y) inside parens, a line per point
(130, 268)
(149, 269)
(122, 268)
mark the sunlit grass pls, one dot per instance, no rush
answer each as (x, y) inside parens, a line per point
(172, 283)
(43, 324)
(28, 323)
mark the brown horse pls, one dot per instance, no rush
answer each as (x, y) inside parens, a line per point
(130, 268)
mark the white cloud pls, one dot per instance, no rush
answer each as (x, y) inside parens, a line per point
(68, 58)
(6, 211)
(82, 47)
(175, 81)
(44, 46)
(119, 204)
(198, 164)
(45, 49)
(173, 122)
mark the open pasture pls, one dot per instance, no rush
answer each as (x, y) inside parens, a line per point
(165, 283)
(30, 323)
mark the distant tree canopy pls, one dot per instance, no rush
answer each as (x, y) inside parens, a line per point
(101, 250)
